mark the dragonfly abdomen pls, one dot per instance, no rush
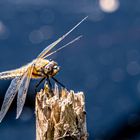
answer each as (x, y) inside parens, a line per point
(11, 74)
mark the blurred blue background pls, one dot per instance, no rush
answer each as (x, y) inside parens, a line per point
(105, 63)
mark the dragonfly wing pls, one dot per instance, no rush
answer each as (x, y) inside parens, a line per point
(9, 96)
(23, 91)
(51, 46)
(12, 73)
(64, 46)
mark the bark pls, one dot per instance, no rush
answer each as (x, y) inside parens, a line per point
(60, 115)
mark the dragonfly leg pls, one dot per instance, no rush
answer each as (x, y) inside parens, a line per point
(58, 82)
(50, 86)
(37, 85)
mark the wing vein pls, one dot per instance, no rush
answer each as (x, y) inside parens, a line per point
(9, 96)
(51, 46)
(22, 93)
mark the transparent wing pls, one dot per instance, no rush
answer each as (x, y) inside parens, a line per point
(9, 96)
(51, 46)
(23, 91)
(64, 46)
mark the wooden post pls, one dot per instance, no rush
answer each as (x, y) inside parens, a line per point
(60, 115)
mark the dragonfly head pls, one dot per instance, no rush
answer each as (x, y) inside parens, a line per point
(51, 68)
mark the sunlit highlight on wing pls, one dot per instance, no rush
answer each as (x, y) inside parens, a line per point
(23, 91)
(13, 73)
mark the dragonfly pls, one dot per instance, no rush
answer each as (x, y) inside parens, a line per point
(41, 67)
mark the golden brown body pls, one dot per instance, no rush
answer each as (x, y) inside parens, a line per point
(39, 70)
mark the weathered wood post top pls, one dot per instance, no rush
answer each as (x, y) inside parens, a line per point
(60, 115)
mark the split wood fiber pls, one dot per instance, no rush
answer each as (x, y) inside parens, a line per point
(60, 115)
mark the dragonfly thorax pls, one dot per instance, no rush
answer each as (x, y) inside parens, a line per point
(45, 68)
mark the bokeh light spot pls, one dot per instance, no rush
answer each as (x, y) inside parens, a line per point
(109, 5)
(36, 37)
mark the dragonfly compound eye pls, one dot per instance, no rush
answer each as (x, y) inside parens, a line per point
(49, 68)
(55, 67)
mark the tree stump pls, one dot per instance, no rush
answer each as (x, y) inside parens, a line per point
(60, 115)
